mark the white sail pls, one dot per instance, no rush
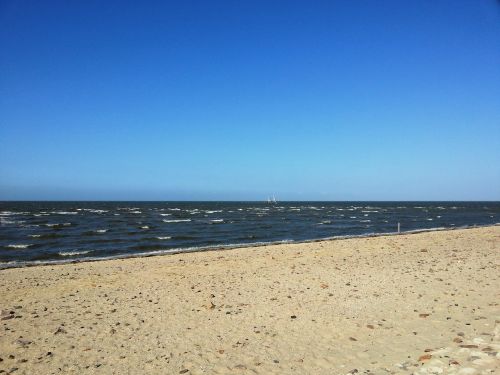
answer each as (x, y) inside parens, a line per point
(273, 200)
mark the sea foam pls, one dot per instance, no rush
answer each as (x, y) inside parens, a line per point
(73, 253)
(19, 246)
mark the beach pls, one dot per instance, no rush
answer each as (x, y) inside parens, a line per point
(422, 303)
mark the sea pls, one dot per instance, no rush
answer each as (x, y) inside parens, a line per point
(34, 233)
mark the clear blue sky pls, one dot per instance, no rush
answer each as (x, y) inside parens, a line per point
(321, 100)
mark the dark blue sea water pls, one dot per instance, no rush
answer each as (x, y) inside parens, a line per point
(51, 232)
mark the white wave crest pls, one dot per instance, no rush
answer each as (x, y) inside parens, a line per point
(73, 253)
(19, 246)
(94, 211)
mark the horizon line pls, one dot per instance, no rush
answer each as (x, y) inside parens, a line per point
(239, 201)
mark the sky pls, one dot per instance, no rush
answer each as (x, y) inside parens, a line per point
(239, 100)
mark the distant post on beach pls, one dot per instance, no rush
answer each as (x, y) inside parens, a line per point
(399, 227)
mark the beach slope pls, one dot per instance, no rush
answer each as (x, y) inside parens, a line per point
(413, 303)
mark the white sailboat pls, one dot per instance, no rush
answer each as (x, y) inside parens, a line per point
(272, 201)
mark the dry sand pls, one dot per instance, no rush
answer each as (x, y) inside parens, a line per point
(419, 303)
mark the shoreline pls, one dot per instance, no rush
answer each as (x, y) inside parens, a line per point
(216, 248)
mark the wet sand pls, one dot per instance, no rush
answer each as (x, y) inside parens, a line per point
(425, 303)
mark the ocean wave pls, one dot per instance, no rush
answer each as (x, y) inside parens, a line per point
(13, 213)
(176, 220)
(19, 246)
(164, 237)
(7, 213)
(5, 221)
(217, 221)
(73, 253)
(144, 227)
(47, 235)
(64, 213)
(165, 214)
(101, 230)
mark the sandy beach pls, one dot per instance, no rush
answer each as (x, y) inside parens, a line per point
(425, 303)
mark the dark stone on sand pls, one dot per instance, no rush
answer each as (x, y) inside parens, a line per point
(22, 343)
(60, 330)
(183, 371)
